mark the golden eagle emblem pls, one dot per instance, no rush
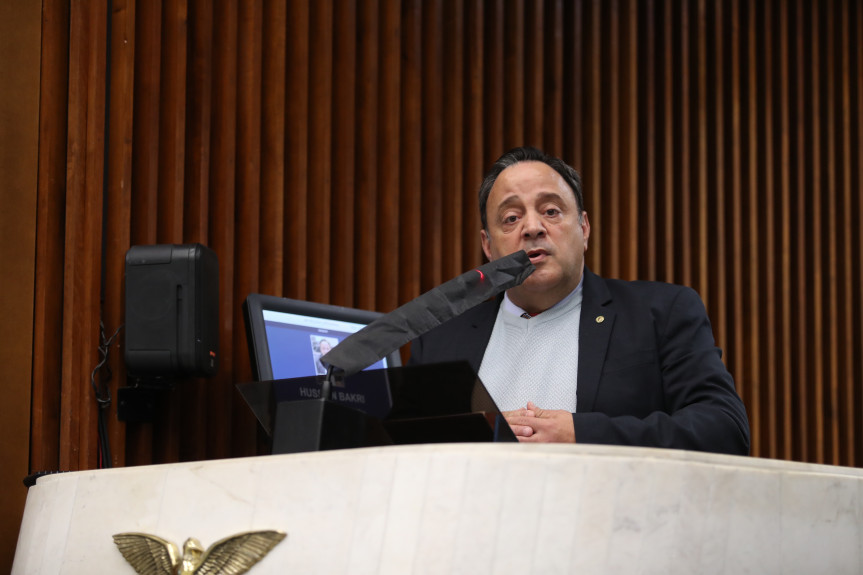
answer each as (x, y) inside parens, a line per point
(152, 555)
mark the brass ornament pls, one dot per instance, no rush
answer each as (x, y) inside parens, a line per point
(152, 555)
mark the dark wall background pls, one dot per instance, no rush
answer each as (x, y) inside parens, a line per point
(19, 127)
(331, 150)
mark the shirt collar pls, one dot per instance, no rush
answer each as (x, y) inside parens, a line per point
(510, 307)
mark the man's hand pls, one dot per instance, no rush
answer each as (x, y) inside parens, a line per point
(532, 424)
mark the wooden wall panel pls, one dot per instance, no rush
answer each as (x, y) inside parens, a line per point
(331, 151)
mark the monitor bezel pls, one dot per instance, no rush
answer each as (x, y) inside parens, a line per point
(256, 334)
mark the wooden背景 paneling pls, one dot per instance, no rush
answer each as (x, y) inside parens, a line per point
(332, 150)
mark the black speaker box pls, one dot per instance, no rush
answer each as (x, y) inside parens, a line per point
(172, 311)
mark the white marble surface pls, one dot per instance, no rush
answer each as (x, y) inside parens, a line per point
(465, 508)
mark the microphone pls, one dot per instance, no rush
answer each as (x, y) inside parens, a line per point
(429, 310)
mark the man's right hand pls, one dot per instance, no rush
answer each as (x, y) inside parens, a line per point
(532, 424)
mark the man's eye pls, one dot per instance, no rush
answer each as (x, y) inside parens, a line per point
(510, 219)
(552, 212)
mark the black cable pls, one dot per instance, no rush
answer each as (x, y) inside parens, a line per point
(103, 395)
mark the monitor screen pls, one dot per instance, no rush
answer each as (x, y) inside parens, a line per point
(287, 337)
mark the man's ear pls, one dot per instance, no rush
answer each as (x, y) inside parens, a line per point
(585, 228)
(486, 243)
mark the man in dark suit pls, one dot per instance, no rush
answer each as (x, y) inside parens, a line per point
(570, 356)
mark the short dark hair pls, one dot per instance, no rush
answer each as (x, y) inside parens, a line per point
(528, 154)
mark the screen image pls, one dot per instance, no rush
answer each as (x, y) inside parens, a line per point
(287, 337)
(296, 342)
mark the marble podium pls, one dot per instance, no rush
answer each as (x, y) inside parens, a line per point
(465, 508)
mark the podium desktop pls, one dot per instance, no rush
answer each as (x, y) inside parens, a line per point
(385, 404)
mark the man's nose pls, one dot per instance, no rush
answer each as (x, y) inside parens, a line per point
(533, 226)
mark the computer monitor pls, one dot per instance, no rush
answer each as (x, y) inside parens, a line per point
(287, 337)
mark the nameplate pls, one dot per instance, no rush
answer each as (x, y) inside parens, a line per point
(366, 391)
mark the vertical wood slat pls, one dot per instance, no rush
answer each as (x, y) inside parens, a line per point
(172, 121)
(410, 152)
(297, 149)
(222, 206)
(611, 122)
(368, 80)
(535, 73)
(454, 142)
(344, 203)
(648, 140)
(683, 242)
(738, 346)
(592, 170)
(248, 213)
(118, 199)
(667, 153)
(816, 397)
(856, 317)
(630, 208)
(145, 125)
(749, 203)
(171, 177)
(45, 440)
(699, 184)
(474, 141)
(248, 205)
(830, 286)
(388, 165)
(273, 121)
(763, 199)
(494, 85)
(832, 308)
(573, 69)
(199, 86)
(320, 148)
(145, 169)
(846, 265)
(512, 113)
(431, 182)
(474, 163)
(717, 182)
(338, 160)
(551, 104)
(803, 330)
(784, 363)
(84, 180)
(199, 89)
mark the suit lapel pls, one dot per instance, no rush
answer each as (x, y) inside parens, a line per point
(597, 321)
(482, 324)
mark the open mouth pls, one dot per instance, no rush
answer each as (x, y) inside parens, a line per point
(536, 255)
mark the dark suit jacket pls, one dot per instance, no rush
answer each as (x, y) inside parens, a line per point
(649, 372)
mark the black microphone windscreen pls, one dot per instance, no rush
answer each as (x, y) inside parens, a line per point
(440, 304)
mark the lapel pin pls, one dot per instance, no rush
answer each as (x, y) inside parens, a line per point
(600, 318)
